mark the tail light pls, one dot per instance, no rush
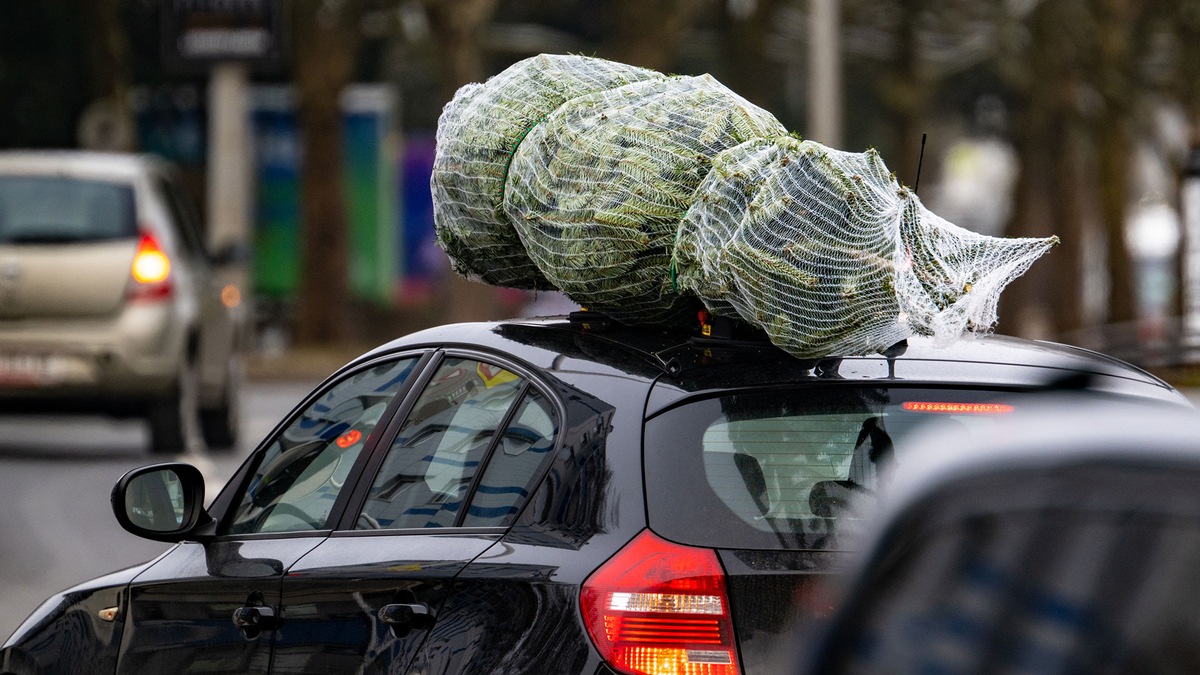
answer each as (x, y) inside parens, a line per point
(659, 608)
(151, 271)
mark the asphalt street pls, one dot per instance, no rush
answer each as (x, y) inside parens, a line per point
(56, 473)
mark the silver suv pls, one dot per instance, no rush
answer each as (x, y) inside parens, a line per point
(110, 301)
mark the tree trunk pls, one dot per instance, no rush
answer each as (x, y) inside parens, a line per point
(753, 74)
(108, 77)
(1023, 305)
(457, 27)
(904, 92)
(649, 32)
(326, 45)
(1046, 300)
(1114, 157)
(1121, 29)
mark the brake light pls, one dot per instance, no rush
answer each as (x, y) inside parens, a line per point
(953, 408)
(151, 270)
(659, 608)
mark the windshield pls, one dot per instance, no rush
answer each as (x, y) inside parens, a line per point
(784, 469)
(55, 209)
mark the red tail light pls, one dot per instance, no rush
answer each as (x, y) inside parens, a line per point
(658, 608)
(151, 271)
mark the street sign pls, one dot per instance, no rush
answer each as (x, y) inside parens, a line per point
(198, 34)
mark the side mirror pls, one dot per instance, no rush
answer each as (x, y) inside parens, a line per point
(162, 502)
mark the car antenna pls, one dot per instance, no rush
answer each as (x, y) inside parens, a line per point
(920, 159)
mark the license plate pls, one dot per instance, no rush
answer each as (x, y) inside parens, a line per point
(31, 370)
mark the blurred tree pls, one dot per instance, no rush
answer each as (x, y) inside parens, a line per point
(648, 33)
(326, 34)
(748, 29)
(457, 27)
(1185, 85)
(1120, 33)
(43, 74)
(1047, 199)
(108, 121)
(916, 46)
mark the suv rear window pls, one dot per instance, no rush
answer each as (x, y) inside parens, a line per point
(783, 469)
(55, 209)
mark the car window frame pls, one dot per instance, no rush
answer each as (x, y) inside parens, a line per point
(225, 504)
(182, 212)
(366, 478)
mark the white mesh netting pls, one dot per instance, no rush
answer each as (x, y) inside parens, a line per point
(477, 134)
(642, 195)
(827, 253)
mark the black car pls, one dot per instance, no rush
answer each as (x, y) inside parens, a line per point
(1067, 543)
(538, 496)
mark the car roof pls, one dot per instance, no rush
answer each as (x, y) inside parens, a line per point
(685, 362)
(115, 165)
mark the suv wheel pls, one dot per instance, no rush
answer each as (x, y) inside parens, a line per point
(174, 420)
(219, 424)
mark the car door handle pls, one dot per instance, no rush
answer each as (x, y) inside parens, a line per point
(405, 617)
(254, 618)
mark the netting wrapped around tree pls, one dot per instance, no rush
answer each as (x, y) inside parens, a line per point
(642, 195)
(597, 190)
(827, 253)
(477, 134)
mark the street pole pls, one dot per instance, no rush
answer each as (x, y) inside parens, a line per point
(230, 150)
(825, 72)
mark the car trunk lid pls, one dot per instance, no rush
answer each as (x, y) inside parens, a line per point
(778, 600)
(63, 281)
(66, 245)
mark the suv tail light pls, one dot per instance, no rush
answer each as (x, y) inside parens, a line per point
(151, 271)
(659, 608)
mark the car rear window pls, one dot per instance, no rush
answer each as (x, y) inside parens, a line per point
(56, 209)
(786, 469)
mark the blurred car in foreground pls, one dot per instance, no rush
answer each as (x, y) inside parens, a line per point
(538, 496)
(109, 299)
(1066, 542)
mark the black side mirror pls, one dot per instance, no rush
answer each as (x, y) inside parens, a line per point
(162, 502)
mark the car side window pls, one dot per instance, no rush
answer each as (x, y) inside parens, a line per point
(426, 478)
(302, 471)
(183, 213)
(513, 468)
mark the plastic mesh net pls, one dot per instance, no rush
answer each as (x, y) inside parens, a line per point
(477, 134)
(598, 189)
(827, 253)
(642, 195)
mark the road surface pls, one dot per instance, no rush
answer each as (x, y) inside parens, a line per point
(56, 473)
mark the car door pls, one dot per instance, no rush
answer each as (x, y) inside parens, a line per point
(213, 607)
(457, 467)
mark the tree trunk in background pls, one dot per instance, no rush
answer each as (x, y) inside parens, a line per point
(112, 125)
(754, 75)
(1119, 34)
(326, 43)
(649, 32)
(1114, 166)
(1046, 300)
(1023, 308)
(457, 28)
(904, 91)
(1187, 91)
